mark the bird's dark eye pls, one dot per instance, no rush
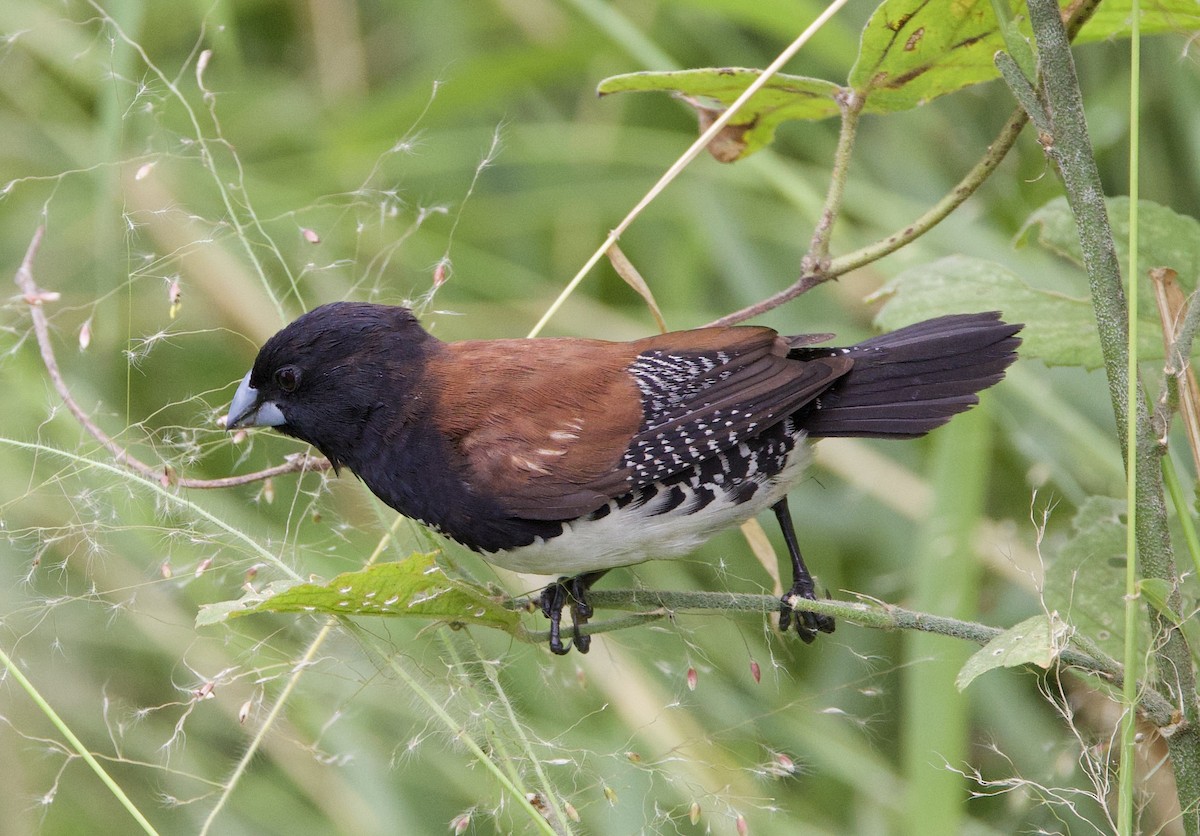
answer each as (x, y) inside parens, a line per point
(288, 378)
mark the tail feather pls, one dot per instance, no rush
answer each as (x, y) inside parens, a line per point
(908, 382)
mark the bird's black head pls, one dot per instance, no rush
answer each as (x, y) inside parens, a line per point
(333, 375)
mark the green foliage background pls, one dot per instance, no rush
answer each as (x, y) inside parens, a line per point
(366, 123)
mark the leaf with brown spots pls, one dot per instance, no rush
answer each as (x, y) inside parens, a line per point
(916, 50)
(911, 51)
(710, 91)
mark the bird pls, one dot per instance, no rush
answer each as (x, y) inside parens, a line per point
(570, 457)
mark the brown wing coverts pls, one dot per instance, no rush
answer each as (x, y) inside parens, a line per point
(637, 413)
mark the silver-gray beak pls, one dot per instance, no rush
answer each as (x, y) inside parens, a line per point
(246, 411)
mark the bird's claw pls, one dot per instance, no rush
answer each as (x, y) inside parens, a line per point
(572, 593)
(808, 624)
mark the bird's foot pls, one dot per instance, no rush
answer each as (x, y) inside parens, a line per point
(808, 624)
(567, 592)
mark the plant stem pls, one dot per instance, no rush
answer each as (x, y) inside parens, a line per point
(1180, 390)
(1070, 148)
(548, 792)
(1181, 351)
(7, 664)
(461, 733)
(268, 723)
(851, 104)
(1021, 87)
(1127, 766)
(36, 298)
(649, 605)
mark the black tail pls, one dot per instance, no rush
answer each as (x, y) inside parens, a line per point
(908, 382)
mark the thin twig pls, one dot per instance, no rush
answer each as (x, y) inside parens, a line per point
(801, 286)
(817, 259)
(647, 606)
(971, 181)
(14, 670)
(294, 463)
(36, 298)
(841, 265)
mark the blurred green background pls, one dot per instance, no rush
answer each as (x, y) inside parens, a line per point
(333, 149)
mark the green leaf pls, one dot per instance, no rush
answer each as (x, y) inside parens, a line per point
(416, 586)
(210, 614)
(911, 51)
(1111, 19)
(1035, 641)
(711, 91)
(1165, 239)
(1085, 582)
(915, 50)
(1059, 329)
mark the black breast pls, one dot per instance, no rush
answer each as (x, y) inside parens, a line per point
(420, 476)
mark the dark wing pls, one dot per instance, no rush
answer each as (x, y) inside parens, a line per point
(557, 428)
(908, 382)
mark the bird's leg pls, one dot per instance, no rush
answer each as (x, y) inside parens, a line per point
(569, 592)
(554, 596)
(808, 624)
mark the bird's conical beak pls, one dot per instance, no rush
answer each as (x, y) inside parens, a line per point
(246, 410)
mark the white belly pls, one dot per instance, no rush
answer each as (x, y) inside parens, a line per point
(631, 535)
